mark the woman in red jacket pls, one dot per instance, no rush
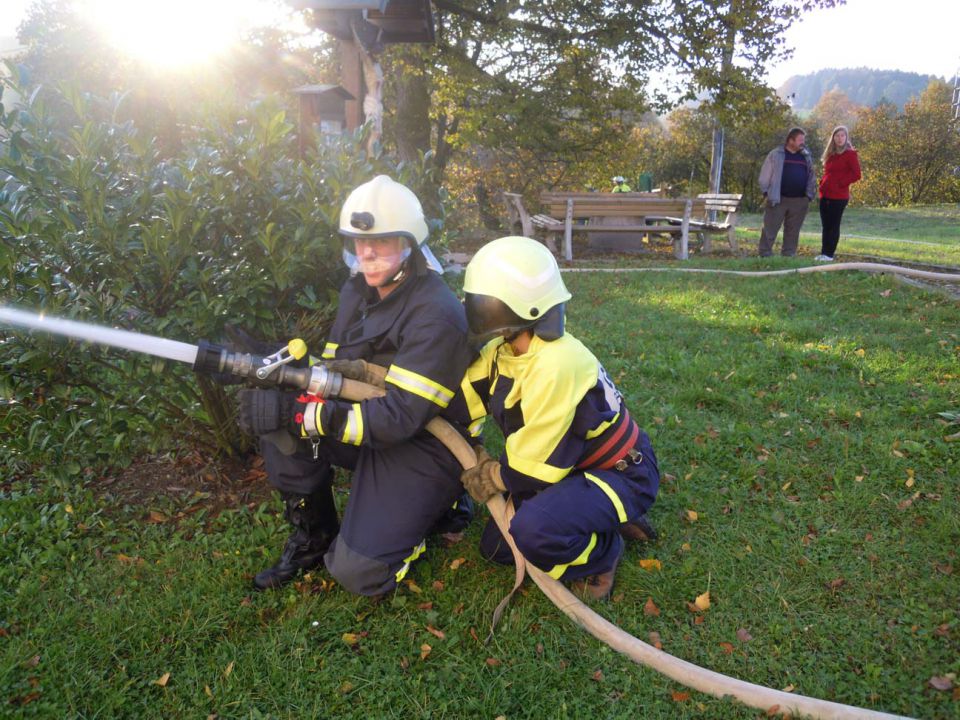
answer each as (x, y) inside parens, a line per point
(841, 168)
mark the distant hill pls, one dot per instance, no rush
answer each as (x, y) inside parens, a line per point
(862, 85)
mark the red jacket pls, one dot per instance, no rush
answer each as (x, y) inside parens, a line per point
(839, 173)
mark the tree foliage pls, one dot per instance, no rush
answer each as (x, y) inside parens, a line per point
(863, 86)
(911, 156)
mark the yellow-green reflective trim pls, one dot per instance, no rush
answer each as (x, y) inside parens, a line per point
(540, 471)
(419, 385)
(476, 427)
(559, 570)
(330, 351)
(476, 372)
(591, 434)
(353, 428)
(417, 552)
(614, 498)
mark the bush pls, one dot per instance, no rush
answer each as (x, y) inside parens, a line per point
(235, 230)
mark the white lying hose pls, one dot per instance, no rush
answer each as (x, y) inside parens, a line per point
(863, 266)
(688, 674)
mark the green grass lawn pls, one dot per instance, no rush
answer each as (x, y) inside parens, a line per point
(807, 487)
(929, 234)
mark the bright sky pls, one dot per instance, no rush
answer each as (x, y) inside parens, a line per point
(913, 35)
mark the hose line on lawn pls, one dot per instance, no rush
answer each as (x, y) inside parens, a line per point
(862, 266)
(688, 674)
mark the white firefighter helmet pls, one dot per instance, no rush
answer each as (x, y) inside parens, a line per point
(383, 208)
(619, 179)
(513, 284)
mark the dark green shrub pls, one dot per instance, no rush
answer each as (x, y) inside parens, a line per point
(235, 230)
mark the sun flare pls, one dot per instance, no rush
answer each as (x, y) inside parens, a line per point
(178, 33)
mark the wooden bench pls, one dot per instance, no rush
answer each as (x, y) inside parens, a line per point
(715, 203)
(650, 214)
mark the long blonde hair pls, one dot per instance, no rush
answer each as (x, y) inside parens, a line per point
(831, 148)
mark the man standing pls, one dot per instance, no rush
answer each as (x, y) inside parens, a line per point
(788, 184)
(620, 185)
(395, 311)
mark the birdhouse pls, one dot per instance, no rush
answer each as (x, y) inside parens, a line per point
(322, 111)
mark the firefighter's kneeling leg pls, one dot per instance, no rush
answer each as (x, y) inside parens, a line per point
(396, 497)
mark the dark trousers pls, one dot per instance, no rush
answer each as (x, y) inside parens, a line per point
(571, 529)
(789, 213)
(831, 211)
(397, 495)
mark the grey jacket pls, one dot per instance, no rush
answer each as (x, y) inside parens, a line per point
(771, 173)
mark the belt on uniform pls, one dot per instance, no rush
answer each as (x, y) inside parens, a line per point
(618, 452)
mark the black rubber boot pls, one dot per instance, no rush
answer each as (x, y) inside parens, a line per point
(452, 526)
(315, 525)
(640, 530)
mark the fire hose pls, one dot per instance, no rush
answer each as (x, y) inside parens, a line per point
(277, 369)
(688, 674)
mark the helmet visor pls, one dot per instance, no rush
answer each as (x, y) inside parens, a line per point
(375, 256)
(489, 317)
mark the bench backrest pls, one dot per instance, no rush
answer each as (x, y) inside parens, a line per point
(728, 203)
(587, 205)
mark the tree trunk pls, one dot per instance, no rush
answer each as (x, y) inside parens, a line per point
(413, 103)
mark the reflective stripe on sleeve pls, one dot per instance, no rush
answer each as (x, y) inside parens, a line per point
(419, 385)
(609, 492)
(559, 570)
(353, 427)
(476, 427)
(417, 552)
(312, 426)
(330, 351)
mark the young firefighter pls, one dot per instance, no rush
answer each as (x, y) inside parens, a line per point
(395, 311)
(581, 472)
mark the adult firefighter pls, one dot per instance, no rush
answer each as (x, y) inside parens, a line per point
(395, 311)
(581, 472)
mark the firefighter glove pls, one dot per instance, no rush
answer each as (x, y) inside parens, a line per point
(350, 369)
(483, 480)
(263, 411)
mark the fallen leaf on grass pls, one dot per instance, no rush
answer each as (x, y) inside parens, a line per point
(744, 636)
(351, 639)
(404, 663)
(436, 633)
(127, 560)
(790, 688)
(836, 583)
(691, 516)
(157, 517)
(650, 564)
(655, 640)
(454, 564)
(597, 676)
(650, 608)
(32, 662)
(162, 680)
(207, 691)
(703, 601)
(942, 630)
(679, 696)
(886, 293)
(942, 682)
(229, 669)
(425, 651)
(437, 585)
(727, 648)
(945, 568)
(492, 662)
